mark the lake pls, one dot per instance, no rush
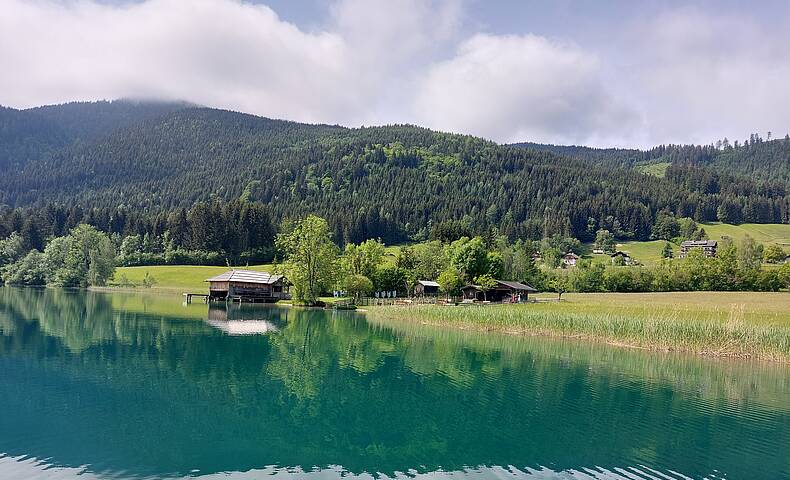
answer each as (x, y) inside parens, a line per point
(114, 385)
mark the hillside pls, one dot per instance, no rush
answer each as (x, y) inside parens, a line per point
(763, 161)
(395, 182)
(36, 133)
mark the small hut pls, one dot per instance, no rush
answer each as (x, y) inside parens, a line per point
(505, 291)
(570, 259)
(426, 288)
(248, 286)
(620, 257)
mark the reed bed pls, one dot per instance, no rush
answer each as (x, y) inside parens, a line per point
(715, 332)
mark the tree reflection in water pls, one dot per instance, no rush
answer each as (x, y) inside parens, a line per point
(137, 386)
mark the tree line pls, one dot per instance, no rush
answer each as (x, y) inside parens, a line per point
(214, 232)
(316, 265)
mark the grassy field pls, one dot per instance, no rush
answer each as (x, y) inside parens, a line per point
(647, 253)
(754, 325)
(655, 169)
(183, 278)
(763, 233)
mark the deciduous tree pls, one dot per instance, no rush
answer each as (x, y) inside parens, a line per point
(310, 257)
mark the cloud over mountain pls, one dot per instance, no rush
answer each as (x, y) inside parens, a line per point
(679, 76)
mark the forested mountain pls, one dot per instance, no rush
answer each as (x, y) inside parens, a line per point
(38, 132)
(613, 157)
(756, 159)
(149, 164)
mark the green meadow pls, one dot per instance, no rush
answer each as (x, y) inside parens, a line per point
(656, 169)
(183, 278)
(649, 253)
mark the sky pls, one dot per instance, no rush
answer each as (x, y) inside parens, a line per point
(598, 73)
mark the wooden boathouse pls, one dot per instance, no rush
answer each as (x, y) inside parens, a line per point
(248, 286)
(426, 288)
(505, 291)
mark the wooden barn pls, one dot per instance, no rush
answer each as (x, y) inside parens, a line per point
(619, 257)
(708, 247)
(570, 259)
(505, 291)
(248, 286)
(426, 288)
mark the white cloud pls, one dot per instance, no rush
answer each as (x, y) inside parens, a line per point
(216, 52)
(222, 53)
(680, 76)
(514, 88)
(389, 44)
(700, 76)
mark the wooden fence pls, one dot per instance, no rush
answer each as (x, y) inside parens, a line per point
(407, 301)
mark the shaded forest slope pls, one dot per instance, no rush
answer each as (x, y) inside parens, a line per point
(394, 182)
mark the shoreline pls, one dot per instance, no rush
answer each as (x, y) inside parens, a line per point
(589, 340)
(733, 325)
(609, 342)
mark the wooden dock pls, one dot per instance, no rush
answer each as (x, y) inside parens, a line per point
(188, 297)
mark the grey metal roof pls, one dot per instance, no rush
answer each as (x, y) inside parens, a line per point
(507, 283)
(428, 283)
(699, 243)
(517, 285)
(246, 276)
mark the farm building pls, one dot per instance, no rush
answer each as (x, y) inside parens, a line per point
(708, 247)
(570, 259)
(622, 258)
(426, 288)
(248, 286)
(505, 291)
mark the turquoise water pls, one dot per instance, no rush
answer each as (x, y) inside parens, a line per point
(98, 385)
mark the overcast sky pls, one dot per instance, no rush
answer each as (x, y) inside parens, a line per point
(617, 73)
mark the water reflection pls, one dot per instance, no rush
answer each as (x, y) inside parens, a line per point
(135, 386)
(246, 319)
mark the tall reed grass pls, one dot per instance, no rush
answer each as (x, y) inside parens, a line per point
(706, 333)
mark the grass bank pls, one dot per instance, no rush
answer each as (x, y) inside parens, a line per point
(746, 325)
(177, 278)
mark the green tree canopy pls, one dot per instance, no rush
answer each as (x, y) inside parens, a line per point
(29, 270)
(362, 259)
(85, 257)
(468, 256)
(774, 254)
(358, 285)
(604, 240)
(310, 257)
(450, 281)
(666, 227)
(486, 282)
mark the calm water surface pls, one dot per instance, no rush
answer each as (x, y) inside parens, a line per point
(96, 385)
